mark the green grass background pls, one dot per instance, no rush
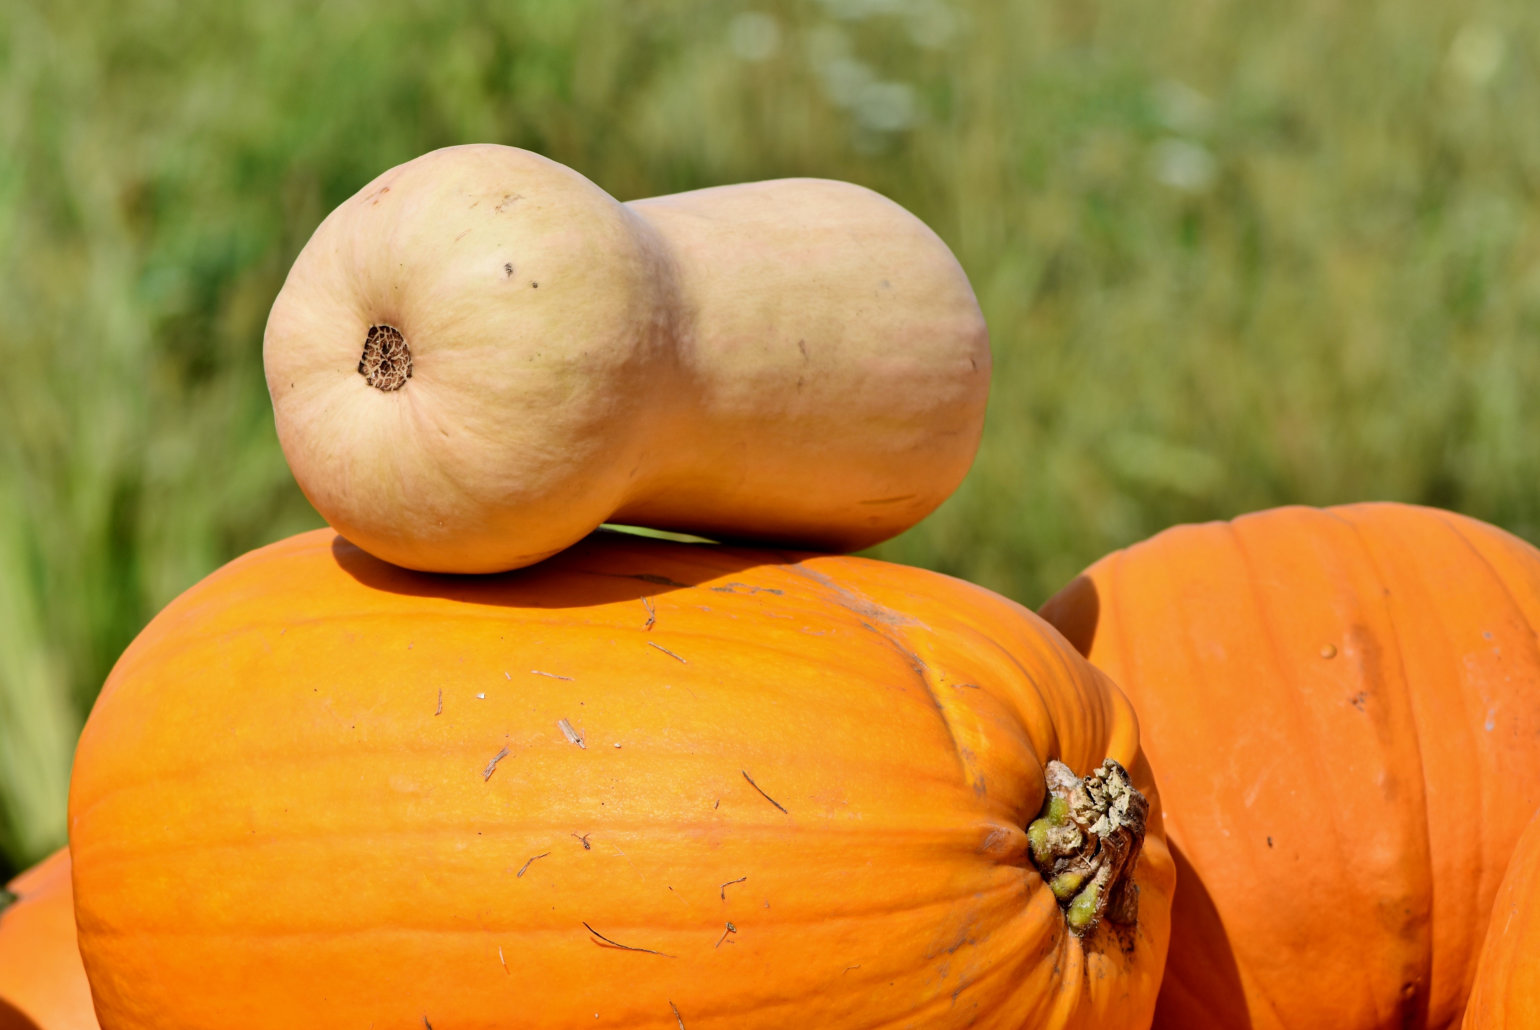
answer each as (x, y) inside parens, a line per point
(1233, 255)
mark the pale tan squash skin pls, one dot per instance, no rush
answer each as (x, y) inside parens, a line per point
(798, 361)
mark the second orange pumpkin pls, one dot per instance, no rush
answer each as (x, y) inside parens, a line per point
(1345, 709)
(42, 983)
(1506, 995)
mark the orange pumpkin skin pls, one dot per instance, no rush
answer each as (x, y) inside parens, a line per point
(1506, 995)
(42, 982)
(1345, 708)
(642, 784)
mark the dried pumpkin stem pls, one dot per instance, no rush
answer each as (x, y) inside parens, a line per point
(1086, 844)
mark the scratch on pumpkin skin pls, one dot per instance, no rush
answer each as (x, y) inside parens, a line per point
(729, 883)
(762, 793)
(440, 709)
(521, 872)
(666, 651)
(572, 735)
(623, 947)
(747, 588)
(677, 1017)
(652, 614)
(486, 773)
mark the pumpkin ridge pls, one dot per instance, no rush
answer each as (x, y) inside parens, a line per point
(1455, 535)
(689, 924)
(1417, 988)
(1277, 667)
(1465, 534)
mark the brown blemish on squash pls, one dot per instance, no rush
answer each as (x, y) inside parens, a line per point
(508, 270)
(386, 363)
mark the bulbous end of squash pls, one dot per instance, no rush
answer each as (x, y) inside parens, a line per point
(1087, 841)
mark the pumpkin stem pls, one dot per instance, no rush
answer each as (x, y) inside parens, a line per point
(386, 364)
(1086, 844)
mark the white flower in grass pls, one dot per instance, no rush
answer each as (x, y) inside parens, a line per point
(754, 35)
(1476, 53)
(1183, 165)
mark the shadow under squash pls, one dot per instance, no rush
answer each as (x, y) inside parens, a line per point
(604, 567)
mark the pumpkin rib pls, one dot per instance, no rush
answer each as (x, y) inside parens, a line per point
(555, 742)
(561, 833)
(1318, 765)
(618, 929)
(1466, 538)
(1403, 675)
(1473, 814)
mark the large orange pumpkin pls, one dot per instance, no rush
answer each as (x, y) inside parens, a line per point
(1506, 995)
(643, 784)
(42, 983)
(1345, 708)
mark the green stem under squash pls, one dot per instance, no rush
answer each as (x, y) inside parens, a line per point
(1086, 844)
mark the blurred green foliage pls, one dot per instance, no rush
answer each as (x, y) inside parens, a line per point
(1233, 256)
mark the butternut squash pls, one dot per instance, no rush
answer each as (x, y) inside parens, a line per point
(481, 356)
